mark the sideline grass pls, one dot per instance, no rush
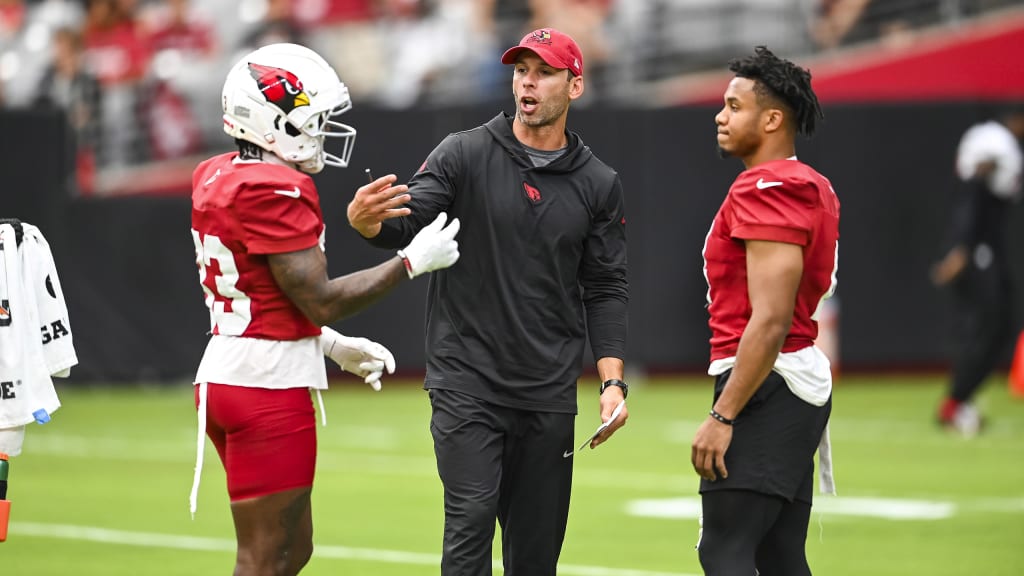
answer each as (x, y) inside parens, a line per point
(103, 489)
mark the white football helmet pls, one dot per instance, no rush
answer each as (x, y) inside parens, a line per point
(282, 97)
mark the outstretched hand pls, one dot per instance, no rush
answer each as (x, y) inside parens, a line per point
(376, 202)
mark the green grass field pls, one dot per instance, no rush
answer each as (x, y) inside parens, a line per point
(103, 488)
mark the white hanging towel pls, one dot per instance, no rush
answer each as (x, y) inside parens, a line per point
(35, 332)
(54, 326)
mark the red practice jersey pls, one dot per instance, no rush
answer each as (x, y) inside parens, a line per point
(780, 201)
(242, 211)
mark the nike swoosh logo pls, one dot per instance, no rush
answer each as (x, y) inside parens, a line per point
(212, 178)
(761, 184)
(567, 454)
(295, 193)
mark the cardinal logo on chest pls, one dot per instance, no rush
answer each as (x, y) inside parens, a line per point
(532, 193)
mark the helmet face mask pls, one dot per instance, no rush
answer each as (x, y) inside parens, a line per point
(284, 98)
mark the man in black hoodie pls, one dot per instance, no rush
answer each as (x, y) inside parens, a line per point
(543, 267)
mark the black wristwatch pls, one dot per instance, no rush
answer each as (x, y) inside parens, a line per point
(615, 382)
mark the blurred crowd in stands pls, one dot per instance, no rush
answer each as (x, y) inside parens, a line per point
(140, 80)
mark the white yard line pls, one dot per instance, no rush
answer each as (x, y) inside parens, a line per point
(870, 507)
(154, 540)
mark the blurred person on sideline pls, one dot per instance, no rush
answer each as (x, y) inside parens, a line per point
(176, 26)
(117, 52)
(837, 23)
(279, 25)
(185, 51)
(585, 21)
(976, 268)
(770, 260)
(506, 327)
(350, 36)
(258, 233)
(66, 85)
(12, 19)
(832, 21)
(432, 65)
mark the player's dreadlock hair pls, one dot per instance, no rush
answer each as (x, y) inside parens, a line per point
(248, 151)
(783, 81)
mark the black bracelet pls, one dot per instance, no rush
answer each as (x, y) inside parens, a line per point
(721, 418)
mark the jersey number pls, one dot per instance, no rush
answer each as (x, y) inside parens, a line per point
(230, 308)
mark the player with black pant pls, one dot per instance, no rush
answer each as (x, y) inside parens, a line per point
(770, 260)
(977, 268)
(543, 267)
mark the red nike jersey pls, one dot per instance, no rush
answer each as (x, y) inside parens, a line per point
(782, 201)
(240, 213)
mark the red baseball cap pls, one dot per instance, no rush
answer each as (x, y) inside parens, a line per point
(558, 50)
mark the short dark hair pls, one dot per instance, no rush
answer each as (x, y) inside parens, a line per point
(784, 82)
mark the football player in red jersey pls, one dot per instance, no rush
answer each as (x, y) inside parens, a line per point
(258, 234)
(770, 260)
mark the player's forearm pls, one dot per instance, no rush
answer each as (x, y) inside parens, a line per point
(758, 349)
(302, 276)
(352, 293)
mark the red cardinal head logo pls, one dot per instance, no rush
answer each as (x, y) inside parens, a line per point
(279, 87)
(542, 36)
(532, 193)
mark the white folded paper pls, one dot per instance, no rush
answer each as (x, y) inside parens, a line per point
(602, 427)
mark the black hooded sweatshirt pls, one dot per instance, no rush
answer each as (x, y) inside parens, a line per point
(542, 264)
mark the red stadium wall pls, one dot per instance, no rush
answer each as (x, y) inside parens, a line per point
(981, 62)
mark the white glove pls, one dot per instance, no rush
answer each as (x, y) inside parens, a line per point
(362, 357)
(434, 247)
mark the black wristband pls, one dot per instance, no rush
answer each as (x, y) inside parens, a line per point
(615, 382)
(721, 418)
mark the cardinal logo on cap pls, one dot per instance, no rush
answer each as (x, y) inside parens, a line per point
(541, 36)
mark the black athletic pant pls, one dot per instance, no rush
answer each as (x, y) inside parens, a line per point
(745, 530)
(983, 327)
(758, 516)
(505, 464)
